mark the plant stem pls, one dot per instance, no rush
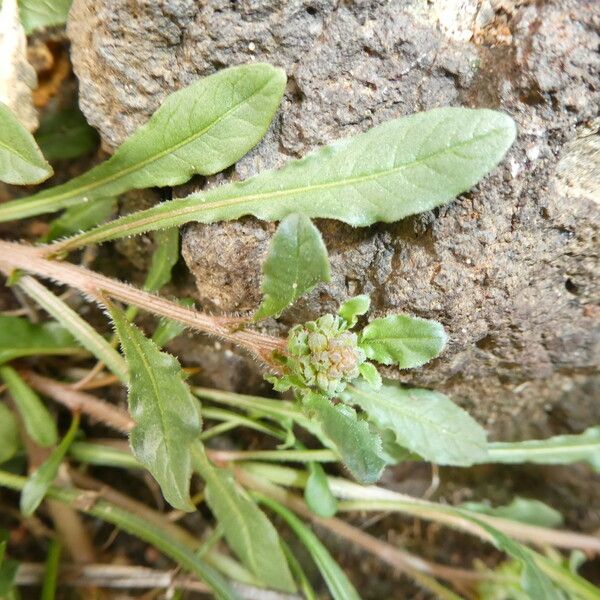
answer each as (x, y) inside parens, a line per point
(399, 559)
(136, 526)
(78, 401)
(94, 285)
(374, 498)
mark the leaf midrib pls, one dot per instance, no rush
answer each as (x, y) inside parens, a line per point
(408, 414)
(227, 202)
(154, 384)
(13, 150)
(140, 165)
(237, 514)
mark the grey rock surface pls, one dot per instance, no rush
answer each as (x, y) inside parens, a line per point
(511, 268)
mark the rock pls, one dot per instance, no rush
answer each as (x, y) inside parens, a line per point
(509, 268)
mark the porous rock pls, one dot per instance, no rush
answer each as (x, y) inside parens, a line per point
(508, 268)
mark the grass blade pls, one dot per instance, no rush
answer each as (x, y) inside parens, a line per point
(337, 582)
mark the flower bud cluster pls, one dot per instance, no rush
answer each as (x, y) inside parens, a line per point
(325, 354)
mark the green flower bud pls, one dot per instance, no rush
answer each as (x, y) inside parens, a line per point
(325, 354)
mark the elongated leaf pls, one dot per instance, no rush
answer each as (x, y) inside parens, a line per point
(21, 161)
(81, 330)
(354, 308)
(51, 571)
(297, 261)
(524, 510)
(557, 450)
(9, 434)
(201, 129)
(164, 259)
(400, 168)
(81, 217)
(38, 421)
(317, 494)
(358, 446)
(247, 530)
(19, 337)
(403, 340)
(8, 568)
(534, 581)
(38, 14)
(337, 582)
(65, 134)
(41, 479)
(427, 423)
(164, 410)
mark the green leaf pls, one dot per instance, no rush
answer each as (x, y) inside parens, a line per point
(166, 414)
(19, 337)
(65, 134)
(370, 374)
(81, 217)
(533, 580)
(337, 582)
(296, 262)
(246, 528)
(9, 434)
(427, 423)
(403, 340)
(317, 494)
(400, 168)
(38, 14)
(51, 571)
(41, 479)
(358, 446)
(353, 308)
(201, 129)
(557, 450)
(21, 161)
(38, 421)
(8, 568)
(524, 510)
(165, 257)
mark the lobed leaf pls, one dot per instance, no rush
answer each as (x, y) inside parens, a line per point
(166, 415)
(403, 340)
(296, 262)
(425, 422)
(400, 168)
(21, 161)
(317, 493)
(359, 447)
(19, 337)
(337, 582)
(39, 14)
(9, 434)
(524, 510)
(65, 134)
(39, 424)
(41, 479)
(557, 450)
(201, 129)
(246, 528)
